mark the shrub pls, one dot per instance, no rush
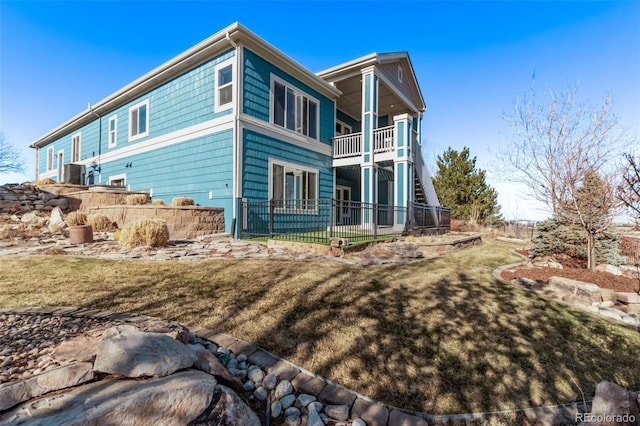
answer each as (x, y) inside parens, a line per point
(144, 232)
(76, 218)
(158, 202)
(556, 237)
(99, 222)
(182, 201)
(136, 199)
(44, 182)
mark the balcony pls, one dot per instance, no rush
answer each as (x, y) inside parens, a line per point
(350, 145)
(347, 149)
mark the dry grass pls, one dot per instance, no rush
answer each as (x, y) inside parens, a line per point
(444, 327)
(182, 201)
(136, 199)
(144, 232)
(100, 222)
(76, 218)
(158, 202)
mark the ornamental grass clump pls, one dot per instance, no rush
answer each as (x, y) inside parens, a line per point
(76, 218)
(144, 232)
(100, 222)
(136, 199)
(158, 202)
(182, 201)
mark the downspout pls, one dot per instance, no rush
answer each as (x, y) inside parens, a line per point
(236, 136)
(99, 137)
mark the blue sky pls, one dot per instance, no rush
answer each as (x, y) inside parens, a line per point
(471, 58)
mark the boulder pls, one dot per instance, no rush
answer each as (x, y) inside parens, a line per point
(13, 393)
(175, 400)
(61, 203)
(613, 405)
(207, 362)
(227, 409)
(604, 267)
(56, 220)
(129, 352)
(579, 291)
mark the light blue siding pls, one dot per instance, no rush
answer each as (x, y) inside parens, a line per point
(192, 169)
(256, 89)
(257, 149)
(185, 101)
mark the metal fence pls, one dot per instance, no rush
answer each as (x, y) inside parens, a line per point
(320, 220)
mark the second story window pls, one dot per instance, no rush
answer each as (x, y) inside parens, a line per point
(76, 141)
(224, 86)
(113, 131)
(294, 110)
(139, 120)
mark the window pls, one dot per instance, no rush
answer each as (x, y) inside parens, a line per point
(224, 85)
(294, 188)
(139, 120)
(75, 147)
(118, 180)
(113, 131)
(342, 129)
(50, 158)
(400, 73)
(294, 110)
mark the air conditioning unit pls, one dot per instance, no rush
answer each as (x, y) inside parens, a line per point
(74, 174)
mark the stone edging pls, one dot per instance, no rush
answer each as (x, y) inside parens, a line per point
(373, 412)
(497, 274)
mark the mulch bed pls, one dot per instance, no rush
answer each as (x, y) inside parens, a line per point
(572, 270)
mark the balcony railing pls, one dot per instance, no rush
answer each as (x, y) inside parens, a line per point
(351, 145)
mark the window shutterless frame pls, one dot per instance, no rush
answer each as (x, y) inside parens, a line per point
(139, 120)
(294, 109)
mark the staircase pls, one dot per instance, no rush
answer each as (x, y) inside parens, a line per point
(424, 193)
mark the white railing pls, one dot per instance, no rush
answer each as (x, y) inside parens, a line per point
(347, 145)
(351, 145)
(383, 139)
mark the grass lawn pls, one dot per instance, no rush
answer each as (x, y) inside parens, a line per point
(440, 336)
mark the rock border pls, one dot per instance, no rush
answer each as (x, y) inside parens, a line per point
(360, 409)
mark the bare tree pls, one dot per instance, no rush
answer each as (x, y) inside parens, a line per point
(10, 159)
(629, 189)
(555, 141)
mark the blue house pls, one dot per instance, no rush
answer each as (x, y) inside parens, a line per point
(233, 120)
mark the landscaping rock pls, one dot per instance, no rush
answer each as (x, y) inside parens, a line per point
(270, 381)
(175, 400)
(56, 220)
(576, 290)
(227, 409)
(338, 412)
(283, 389)
(129, 352)
(615, 405)
(207, 362)
(14, 393)
(604, 267)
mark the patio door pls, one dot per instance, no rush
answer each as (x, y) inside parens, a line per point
(343, 205)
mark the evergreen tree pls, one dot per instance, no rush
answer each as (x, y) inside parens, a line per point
(463, 188)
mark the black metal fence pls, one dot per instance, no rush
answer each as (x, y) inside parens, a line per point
(320, 220)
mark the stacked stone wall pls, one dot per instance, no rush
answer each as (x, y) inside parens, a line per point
(185, 222)
(23, 198)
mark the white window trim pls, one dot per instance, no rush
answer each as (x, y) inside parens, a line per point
(77, 154)
(400, 73)
(117, 177)
(217, 107)
(345, 126)
(146, 132)
(113, 118)
(296, 91)
(297, 168)
(50, 159)
(60, 166)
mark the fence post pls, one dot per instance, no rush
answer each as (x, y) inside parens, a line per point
(332, 208)
(271, 209)
(375, 220)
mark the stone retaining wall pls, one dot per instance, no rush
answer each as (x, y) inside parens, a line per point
(184, 222)
(84, 200)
